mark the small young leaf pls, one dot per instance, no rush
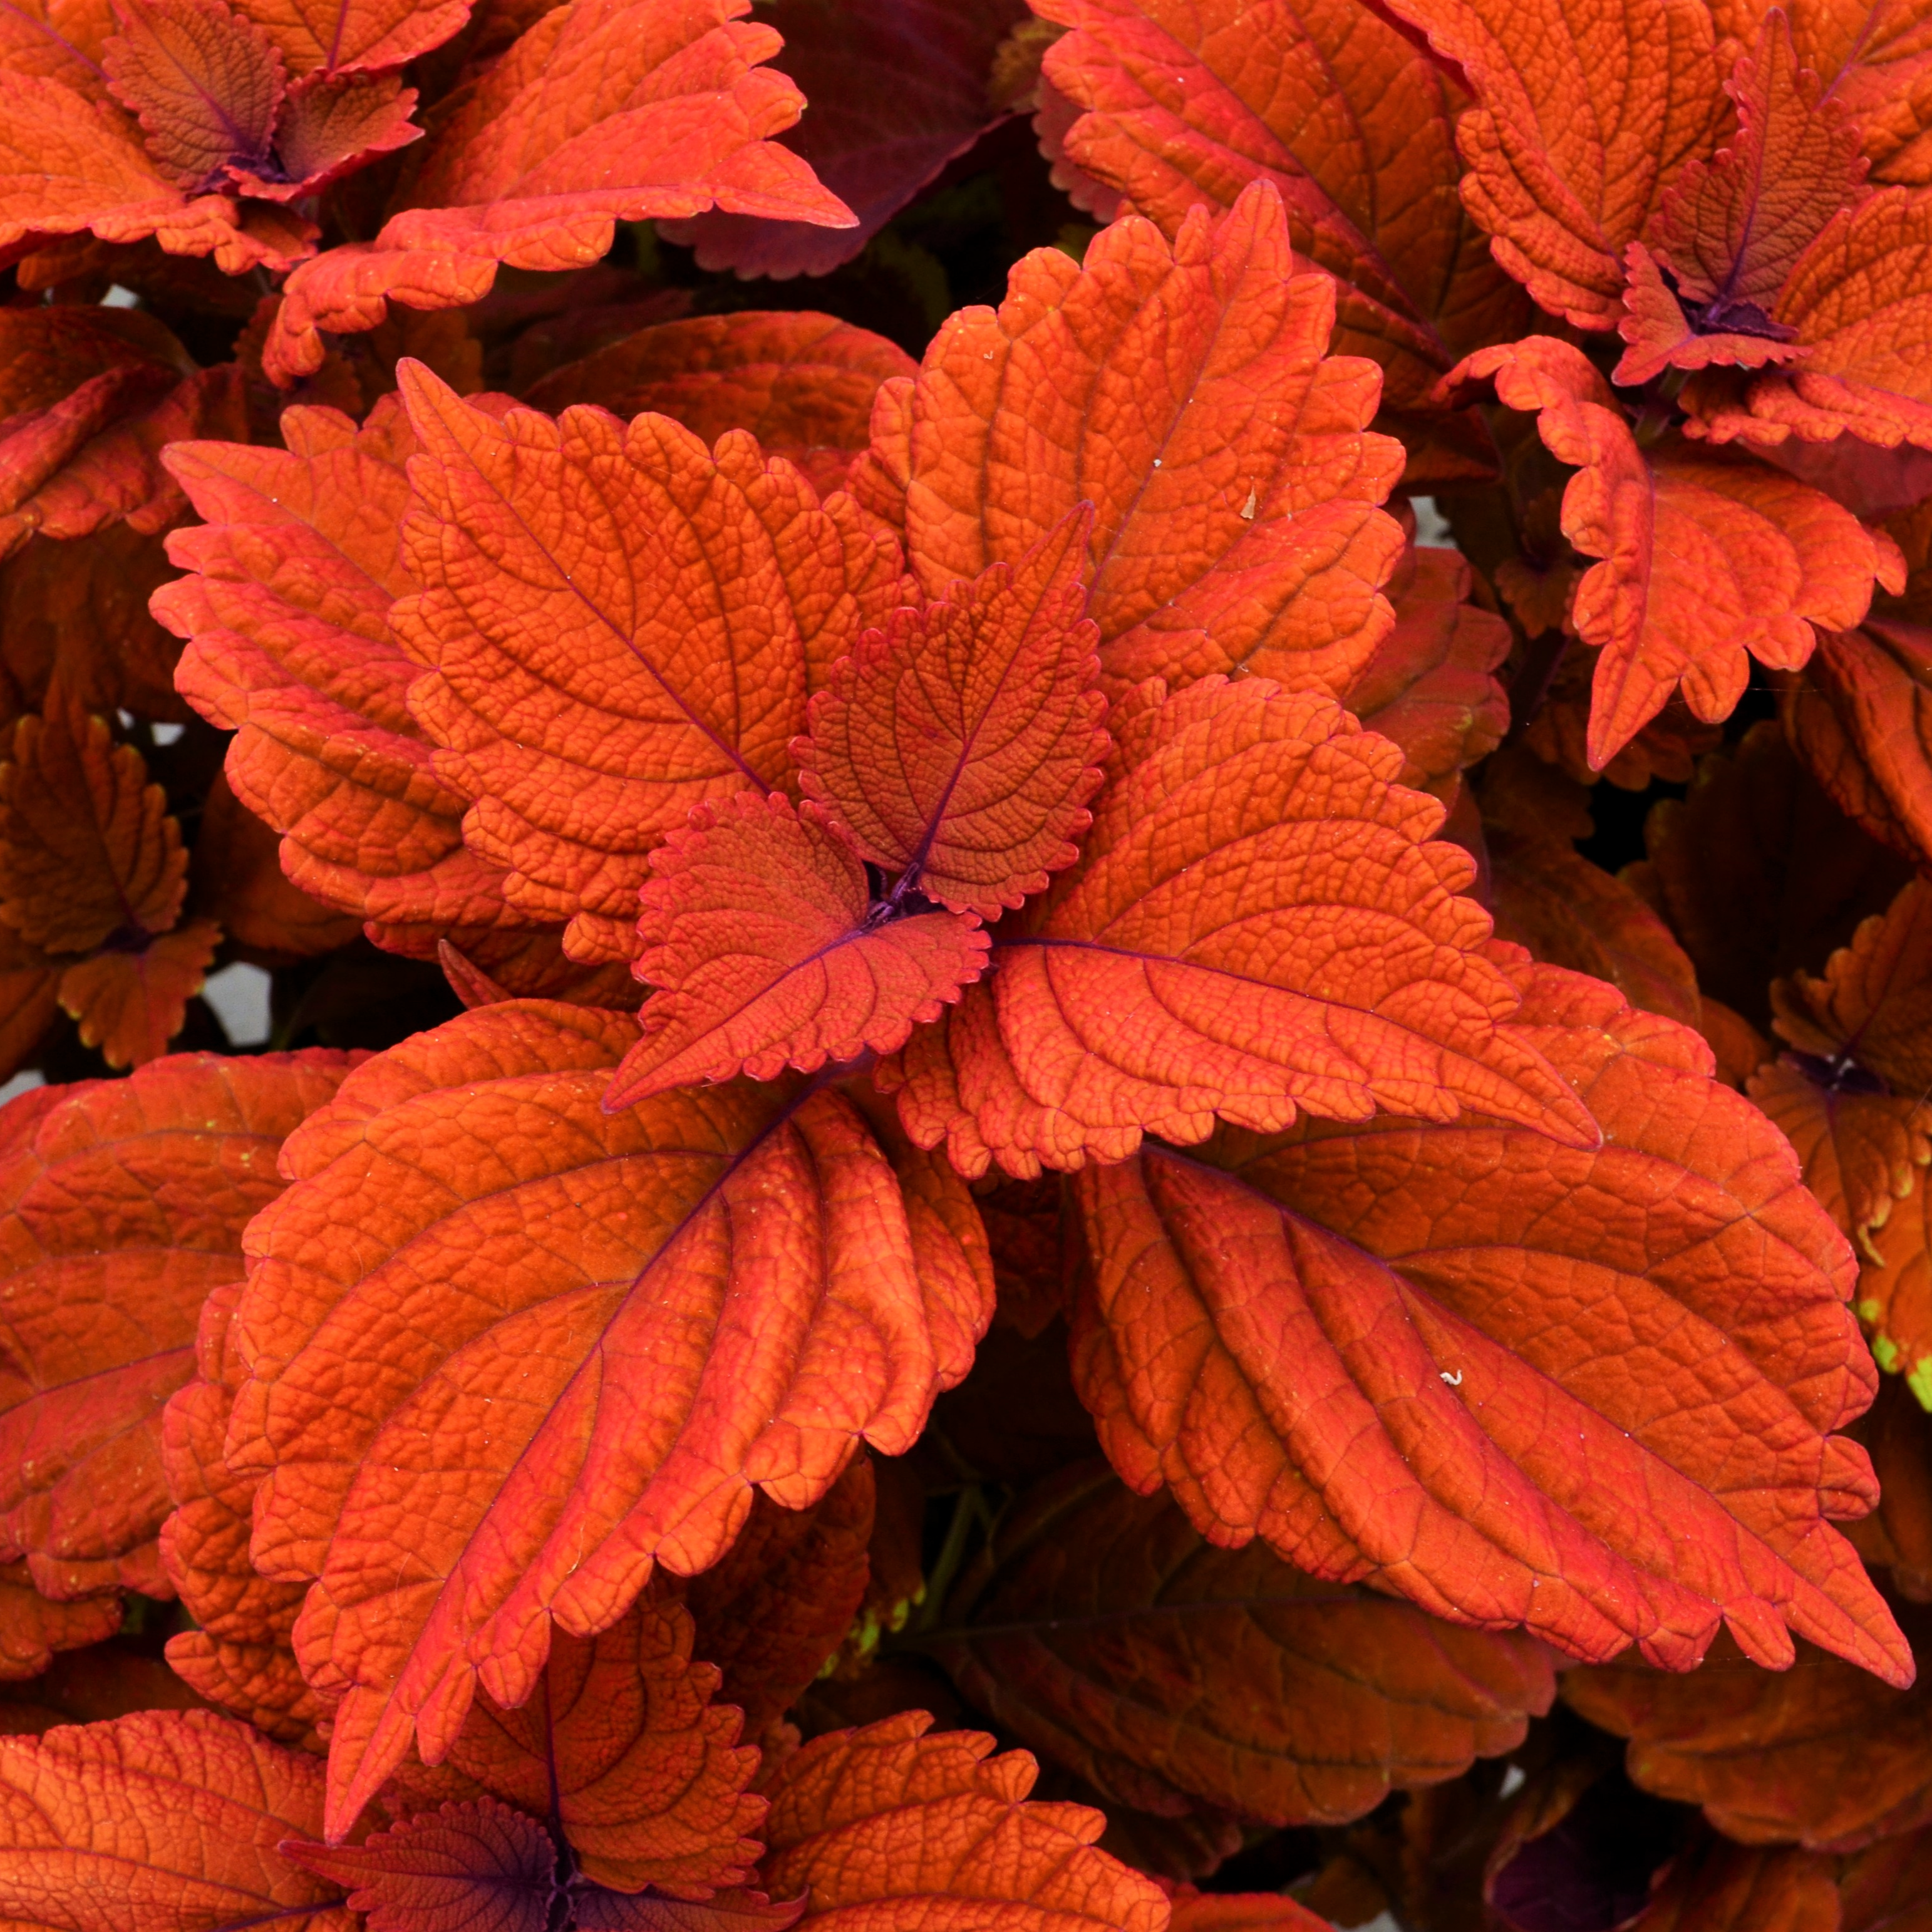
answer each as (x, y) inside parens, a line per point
(759, 934)
(957, 746)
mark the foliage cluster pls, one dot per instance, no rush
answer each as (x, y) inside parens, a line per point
(1094, 848)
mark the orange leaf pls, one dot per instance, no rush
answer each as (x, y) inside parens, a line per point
(1730, 231)
(777, 1605)
(766, 951)
(1876, 57)
(1860, 715)
(1234, 489)
(1099, 1628)
(71, 374)
(1704, 560)
(88, 849)
(1259, 925)
(1587, 109)
(622, 626)
(294, 570)
(1856, 305)
(164, 1819)
(240, 1654)
(957, 746)
(1431, 685)
(1862, 1148)
(72, 162)
(130, 1002)
(329, 126)
(799, 381)
(1822, 1754)
(1343, 1341)
(895, 1829)
(1355, 128)
(33, 1627)
(125, 1202)
(605, 111)
(340, 37)
(237, 879)
(639, 1316)
(204, 83)
(624, 1748)
(117, 473)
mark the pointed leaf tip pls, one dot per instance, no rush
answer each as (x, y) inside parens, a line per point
(959, 745)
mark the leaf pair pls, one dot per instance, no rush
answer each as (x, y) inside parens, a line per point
(954, 750)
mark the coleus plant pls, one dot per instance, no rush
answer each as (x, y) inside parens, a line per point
(942, 1055)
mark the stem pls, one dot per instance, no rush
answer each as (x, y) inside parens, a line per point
(968, 1508)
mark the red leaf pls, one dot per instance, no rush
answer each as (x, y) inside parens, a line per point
(1730, 231)
(479, 1867)
(894, 89)
(533, 168)
(1821, 1755)
(1853, 304)
(783, 1597)
(166, 1821)
(240, 1655)
(342, 36)
(1191, 967)
(598, 1910)
(204, 83)
(1227, 535)
(124, 1204)
(72, 162)
(236, 878)
(294, 571)
(1584, 115)
(1187, 104)
(328, 127)
(759, 935)
(1703, 561)
(118, 474)
(623, 1747)
(1860, 715)
(130, 1003)
(1343, 1343)
(33, 1627)
(76, 613)
(1431, 685)
(1755, 873)
(739, 1285)
(894, 1829)
(665, 610)
(958, 747)
(801, 382)
(88, 848)
(1717, 1887)
(1239, 1911)
(1100, 1629)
